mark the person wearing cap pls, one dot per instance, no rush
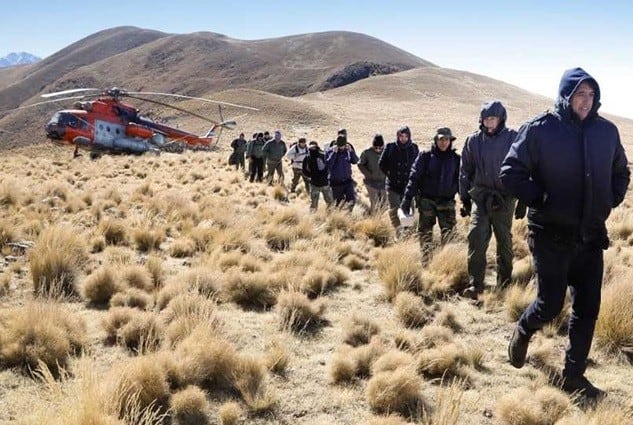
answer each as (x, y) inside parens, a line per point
(340, 132)
(255, 155)
(339, 161)
(569, 167)
(485, 198)
(374, 177)
(396, 161)
(315, 169)
(296, 155)
(274, 151)
(239, 149)
(434, 182)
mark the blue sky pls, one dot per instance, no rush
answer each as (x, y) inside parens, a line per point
(527, 43)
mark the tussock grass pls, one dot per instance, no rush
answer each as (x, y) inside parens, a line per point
(614, 328)
(342, 366)
(449, 360)
(359, 330)
(148, 239)
(399, 269)
(182, 247)
(447, 271)
(366, 355)
(7, 232)
(190, 407)
(250, 290)
(298, 314)
(40, 332)
(156, 270)
(318, 280)
(142, 333)
(114, 231)
(138, 277)
(56, 260)
(119, 256)
(377, 228)
(10, 193)
(411, 310)
(517, 299)
(523, 271)
(604, 413)
(399, 391)
(100, 286)
(185, 313)
(141, 384)
(392, 360)
(249, 378)
(448, 319)
(277, 358)
(449, 405)
(132, 297)
(115, 319)
(204, 280)
(533, 406)
(230, 413)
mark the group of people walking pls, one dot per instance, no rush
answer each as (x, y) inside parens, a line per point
(566, 168)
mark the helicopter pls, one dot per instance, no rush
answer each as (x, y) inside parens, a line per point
(101, 123)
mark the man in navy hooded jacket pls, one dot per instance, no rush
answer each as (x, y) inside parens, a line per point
(479, 181)
(568, 166)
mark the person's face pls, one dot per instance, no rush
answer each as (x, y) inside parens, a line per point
(302, 143)
(491, 123)
(378, 148)
(403, 137)
(582, 100)
(443, 143)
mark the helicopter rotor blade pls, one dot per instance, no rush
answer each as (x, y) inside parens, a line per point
(180, 96)
(43, 103)
(202, 117)
(71, 91)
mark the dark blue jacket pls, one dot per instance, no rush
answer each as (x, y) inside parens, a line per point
(339, 165)
(483, 154)
(570, 173)
(396, 161)
(434, 175)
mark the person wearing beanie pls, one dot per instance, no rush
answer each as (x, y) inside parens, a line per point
(570, 168)
(239, 150)
(484, 196)
(315, 169)
(255, 156)
(434, 182)
(274, 151)
(374, 177)
(396, 161)
(339, 161)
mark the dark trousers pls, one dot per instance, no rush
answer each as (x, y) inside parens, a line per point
(239, 161)
(560, 263)
(256, 167)
(344, 194)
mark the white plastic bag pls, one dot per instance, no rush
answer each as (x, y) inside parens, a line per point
(406, 220)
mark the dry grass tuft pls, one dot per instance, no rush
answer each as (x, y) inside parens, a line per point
(250, 290)
(203, 280)
(114, 231)
(366, 355)
(230, 413)
(7, 233)
(399, 391)
(544, 405)
(148, 239)
(449, 404)
(249, 378)
(317, 281)
(523, 271)
(614, 328)
(277, 358)
(132, 297)
(190, 407)
(182, 248)
(359, 330)
(100, 286)
(392, 360)
(40, 332)
(449, 360)
(141, 384)
(137, 277)
(411, 310)
(517, 299)
(185, 313)
(448, 319)
(10, 193)
(298, 314)
(142, 333)
(56, 260)
(376, 228)
(387, 420)
(154, 266)
(116, 318)
(399, 269)
(604, 413)
(448, 272)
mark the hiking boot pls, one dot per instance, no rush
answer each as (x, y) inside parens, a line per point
(517, 349)
(472, 292)
(581, 385)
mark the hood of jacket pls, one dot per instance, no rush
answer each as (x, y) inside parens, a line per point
(569, 83)
(493, 109)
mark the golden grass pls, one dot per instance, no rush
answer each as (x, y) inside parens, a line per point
(277, 358)
(148, 239)
(517, 299)
(190, 407)
(137, 277)
(7, 233)
(411, 310)
(378, 229)
(399, 269)
(448, 407)
(604, 413)
(391, 361)
(614, 328)
(532, 406)
(250, 379)
(132, 297)
(156, 270)
(230, 413)
(298, 314)
(319, 280)
(114, 231)
(182, 247)
(342, 366)
(398, 391)
(250, 290)
(449, 360)
(141, 384)
(56, 260)
(100, 286)
(142, 333)
(359, 330)
(447, 271)
(37, 332)
(523, 271)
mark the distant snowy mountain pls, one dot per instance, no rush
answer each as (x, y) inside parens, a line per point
(19, 58)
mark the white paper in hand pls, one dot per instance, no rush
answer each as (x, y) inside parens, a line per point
(406, 220)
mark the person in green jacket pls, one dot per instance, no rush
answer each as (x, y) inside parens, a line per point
(255, 155)
(274, 151)
(374, 177)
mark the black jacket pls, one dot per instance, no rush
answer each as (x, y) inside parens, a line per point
(315, 168)
(434, 175)
(570, 173)
(396, 161)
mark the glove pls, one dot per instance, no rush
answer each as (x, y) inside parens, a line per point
(467, 206)
(520, 210)
(405, 205)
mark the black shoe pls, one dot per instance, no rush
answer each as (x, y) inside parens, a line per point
(581, 385)
(472, 292)
(517, 349)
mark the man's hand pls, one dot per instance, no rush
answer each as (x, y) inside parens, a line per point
(405, 205)
(520, 210)
(467, 206)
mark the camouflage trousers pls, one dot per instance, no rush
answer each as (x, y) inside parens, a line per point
(431, 212)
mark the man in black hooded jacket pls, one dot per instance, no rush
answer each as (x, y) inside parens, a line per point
(568, 166)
